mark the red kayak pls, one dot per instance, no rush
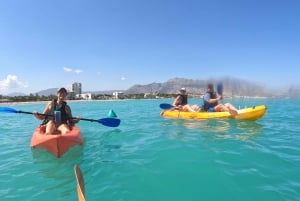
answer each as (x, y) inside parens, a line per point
(56, 144)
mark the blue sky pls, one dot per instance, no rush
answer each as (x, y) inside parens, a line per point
(114, 44)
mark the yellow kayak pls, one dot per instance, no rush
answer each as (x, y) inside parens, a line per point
(250, 113)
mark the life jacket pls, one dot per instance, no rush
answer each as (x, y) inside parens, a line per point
(184, 99)
(207, 105)
(62, 109)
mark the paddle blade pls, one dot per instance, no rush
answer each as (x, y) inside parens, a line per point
(220, 89)
(166, 106)
(8, 109)
(112, 122)
(80, 183)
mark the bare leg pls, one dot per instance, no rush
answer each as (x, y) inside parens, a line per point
(188, 108)
(50, 127)
(196, 108)
(221, 108)
(63, 128)
(232, 109)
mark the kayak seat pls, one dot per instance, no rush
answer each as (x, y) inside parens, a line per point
(42, 129)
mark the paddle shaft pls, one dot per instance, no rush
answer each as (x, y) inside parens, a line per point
(85, 119)
(111, 122)
(23, 112)
(50, 115)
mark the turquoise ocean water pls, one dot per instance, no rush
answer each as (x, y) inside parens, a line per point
(149, 158)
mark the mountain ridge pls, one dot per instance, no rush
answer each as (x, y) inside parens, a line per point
(232, 86)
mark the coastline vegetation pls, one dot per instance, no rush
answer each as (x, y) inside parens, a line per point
(36, 97)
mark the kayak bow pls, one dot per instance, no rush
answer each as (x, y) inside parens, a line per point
(56, 144)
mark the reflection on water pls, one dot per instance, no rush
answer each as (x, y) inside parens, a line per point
(41, 156)
(58, 171)
(242, 130)
(218, 128)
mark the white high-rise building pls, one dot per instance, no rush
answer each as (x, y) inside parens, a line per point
(76, 88)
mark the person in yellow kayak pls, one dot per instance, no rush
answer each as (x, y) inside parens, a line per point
(181, 102)
(57, 115)
(211, 104)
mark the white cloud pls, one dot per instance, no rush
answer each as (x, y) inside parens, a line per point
(77, 71)
(11, 82)
(70, 70)
(66, 69)
(123, 78)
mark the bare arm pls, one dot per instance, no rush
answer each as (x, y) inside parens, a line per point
(211, 100)
(70, 116)
(215, 100)
(177, 101)
(46, 110)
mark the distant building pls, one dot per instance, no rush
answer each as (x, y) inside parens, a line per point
(76, 88)
(87, 96)
(118, 95)
(149, 95)
(5, 100)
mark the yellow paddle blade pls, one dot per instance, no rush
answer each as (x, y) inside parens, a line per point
(80, 183)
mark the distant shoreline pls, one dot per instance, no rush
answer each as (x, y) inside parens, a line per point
(45, 102)
(8, 103)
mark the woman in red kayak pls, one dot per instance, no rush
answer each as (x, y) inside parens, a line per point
(60, 115)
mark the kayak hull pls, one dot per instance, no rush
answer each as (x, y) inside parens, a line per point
(250, 113)
(56, 144)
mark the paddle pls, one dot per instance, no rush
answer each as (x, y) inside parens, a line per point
(166, 106)
(220, 89)
(111, 122)
(80, 183)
